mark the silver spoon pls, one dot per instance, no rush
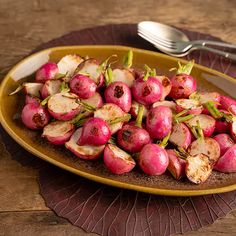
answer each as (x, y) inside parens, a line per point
(176, 43)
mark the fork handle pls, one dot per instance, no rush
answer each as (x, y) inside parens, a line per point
(212, 43)
(231, 56)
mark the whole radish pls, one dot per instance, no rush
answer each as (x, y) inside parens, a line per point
(58, 132)
(31, 99)
(153, 159)
(132, 137)
(34, 116)
(50, 87)
(95, 132)
(83, 86)
(180, 135)
(63, 106)
(206, 122)
(119, 93)
(117, 160)
(176, 165)
(198, 168)
(86, 152)
(46, 72)
(183, 84)
(222, 125)
(225, 142)
(227, 162)
(159, 122)
(226, 103)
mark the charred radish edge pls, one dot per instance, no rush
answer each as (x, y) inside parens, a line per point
(184, 69)
(124, 118)
(64, 87)
(149, 72)
(179, 118)
(128, 59)
(164, 142)
(139, 118)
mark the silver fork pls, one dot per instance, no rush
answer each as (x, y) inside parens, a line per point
(182, 48)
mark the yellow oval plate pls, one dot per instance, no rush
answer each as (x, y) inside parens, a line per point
(207, 79)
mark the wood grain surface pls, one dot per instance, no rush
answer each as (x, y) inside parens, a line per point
(24, 24)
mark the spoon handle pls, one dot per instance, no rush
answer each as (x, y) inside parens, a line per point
(212, 43)
(231, 56)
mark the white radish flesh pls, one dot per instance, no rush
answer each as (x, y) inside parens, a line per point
(85, 152)
(123, 75)
(193, 106)
(32, 89)
(50, 87)
(170, 104)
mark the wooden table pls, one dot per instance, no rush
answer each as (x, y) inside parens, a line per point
(24, 24)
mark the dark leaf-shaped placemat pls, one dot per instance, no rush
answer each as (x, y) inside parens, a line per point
(112, 211)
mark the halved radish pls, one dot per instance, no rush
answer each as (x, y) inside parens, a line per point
(63, 106)
(85, 152)
(176, 165)
(110, 111)
(32, 100)
(166, 84)
(134, 109)
(90, 67)
(32, 89)
(68, 64)
(225, 142)
(123, 75)
(58, 132)
(50, 87)
(207, 146)
(170, 104)
(198, 168)
(117, 160)
(180, 135)
(207, 123)
(193, 106)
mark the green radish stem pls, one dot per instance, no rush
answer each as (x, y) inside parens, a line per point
(164, 142)
(124, 118)
(104, 65)
(139, 118)
(45, 101)
(87, 107)
(184, 118)
(60, 76)
(149, 72)
(112, 140)
(197, 131)
(64, 87)
(184, 69)
(78, 118)
(128, 59)
(108, 76)
(213, 110)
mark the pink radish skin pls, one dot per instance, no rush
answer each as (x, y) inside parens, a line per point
(50, 87)
(46, 72)
(134, 109)
(198, 168)
(181, 135)
(176, 165)
(225, 142)
(95, 132)
(86, 152)
(170, 104)
(147, 92)
(182, 86)
(117, 160)
(68, 64)
(34, 116)
(32, 100)
(207, 123)
(222, 126)
(166, 85)
(32, 89)
(83, 86)
(159, 122)
(58, 132)
(132, 138)
(119, 94)
(233, 130)
(207, 146)
(91, 67)
(227, 102)
(227, 162)
(193, 106)
(123, 75)
(110, 111)
(153, 159)
(63, 106)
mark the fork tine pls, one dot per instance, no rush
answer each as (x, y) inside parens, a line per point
(151, 39)
(154, 42)
(170, 41)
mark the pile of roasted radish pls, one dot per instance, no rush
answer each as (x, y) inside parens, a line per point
(132, 117)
